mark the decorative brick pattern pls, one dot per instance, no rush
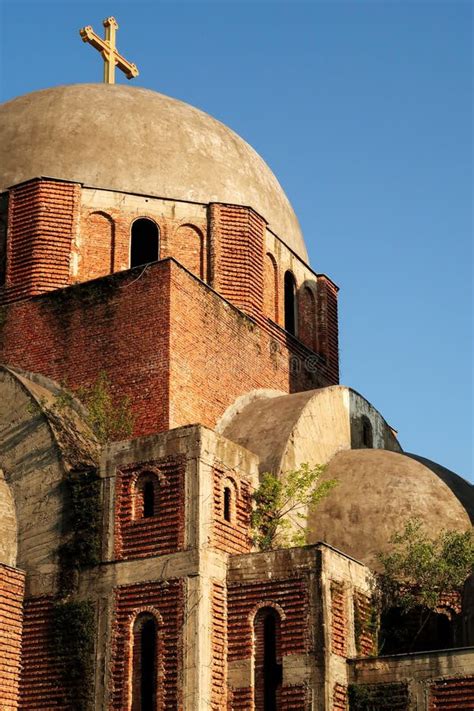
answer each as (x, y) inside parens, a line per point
(455, 694)
(41, 684)
(237, 249)
(339, 698)
(162, 533)
(295, 698)
(219, 647)
(338, 619)
(12, 583)
(41, 222)
(241, 699)
(167, 598)
(365, 636)
(291, 594)
(231, 536)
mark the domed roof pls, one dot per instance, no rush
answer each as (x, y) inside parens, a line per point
(377, 491)
(136, 140)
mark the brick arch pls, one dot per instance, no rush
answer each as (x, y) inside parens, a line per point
(186, 245)
(270, 287)
(307, 325)
(98, 254)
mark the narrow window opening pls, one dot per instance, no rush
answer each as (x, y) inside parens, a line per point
(290, 303)
(148, 499)
(144, 243)
(227, 503)
(268, 671)
(367, 434)
(145, 639)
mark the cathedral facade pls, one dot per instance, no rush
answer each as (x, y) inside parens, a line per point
(146, 246)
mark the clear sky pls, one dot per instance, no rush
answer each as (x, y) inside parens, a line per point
(363, 110)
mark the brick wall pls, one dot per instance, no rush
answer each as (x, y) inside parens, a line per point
(42, 216)
(363, 625)
(456, 694)
(339, 697)
(231, 536)
(327, 329)
(119, 325)
(291, 595)
(219, 647)
(41, 684)
(12, 583)
(167, 599)
(338, 619)
(186, 245)
(237, 250)
(175, 348)
(161, 533)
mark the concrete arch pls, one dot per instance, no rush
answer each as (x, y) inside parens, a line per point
(39, 442)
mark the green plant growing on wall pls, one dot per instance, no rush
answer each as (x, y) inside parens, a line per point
(109, 417)
(82, 547)
(280, 505)
(73, 626)
(421, 571)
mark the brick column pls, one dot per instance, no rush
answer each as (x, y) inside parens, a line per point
(12, 582)
(42, 217)
(236, 255)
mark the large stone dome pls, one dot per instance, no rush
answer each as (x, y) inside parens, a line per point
(138, 141)
(377, 492)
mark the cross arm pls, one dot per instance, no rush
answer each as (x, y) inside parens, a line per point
(88, 35)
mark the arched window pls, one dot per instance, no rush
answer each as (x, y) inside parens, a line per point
(148, 499)
(268, 667)
(144, 671)
(146, 496)
(144, 247)
(290, 303)
(227, 503)
(367, 433)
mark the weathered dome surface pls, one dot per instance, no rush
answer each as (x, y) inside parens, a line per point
(286, 431)
(136, 140)
(377, 491)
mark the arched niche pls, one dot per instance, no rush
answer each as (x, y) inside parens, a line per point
(307, 317)
(186, 245)
(270, 289)
(99, 246)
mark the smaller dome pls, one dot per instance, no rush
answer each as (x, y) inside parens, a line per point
(377, 492)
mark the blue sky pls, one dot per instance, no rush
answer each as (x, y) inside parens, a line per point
(363, 110)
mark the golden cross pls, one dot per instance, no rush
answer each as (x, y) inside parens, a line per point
(108, 51)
